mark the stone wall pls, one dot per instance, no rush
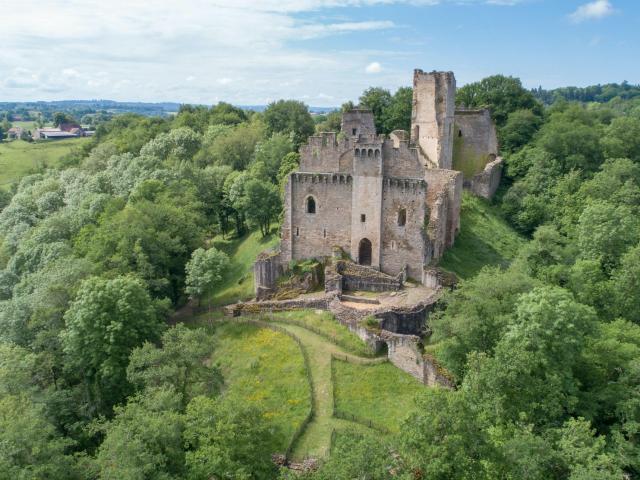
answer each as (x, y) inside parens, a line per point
(322, 152)
(485, 183)
(401, 159)
(366, 202)
(358, 277)
(444, 198)
(253, 308)
(404, 353)
(266, 270)
(313, 235)
(475, 141)
(403, 244)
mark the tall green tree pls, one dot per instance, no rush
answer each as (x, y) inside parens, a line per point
(181, 363)
(227, 441)
(106, 321)
(205, 270)
(499, 93)
(144, 439)
(290, 117)
(378, 100)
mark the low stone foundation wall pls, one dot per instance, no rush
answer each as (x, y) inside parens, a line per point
(397, 329)
(358, 277)
(252, 308)
(485, 183)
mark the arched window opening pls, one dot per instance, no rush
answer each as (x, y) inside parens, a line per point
(459, 133)
(377, 154)
(370, 153)
(311, 205)
(357, 152)
(402, 217)
(364, 252)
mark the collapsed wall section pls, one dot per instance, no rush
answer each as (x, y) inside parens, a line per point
(475, 141)
(485, 183)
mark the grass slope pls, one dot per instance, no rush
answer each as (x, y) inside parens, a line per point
(264, 368)
(324, 324)
(237, 283)
(485, 238)
(19, 158)
(382, 393)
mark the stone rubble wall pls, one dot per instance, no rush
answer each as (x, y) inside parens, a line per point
(485, 183)
(253, 308)
(266, 270)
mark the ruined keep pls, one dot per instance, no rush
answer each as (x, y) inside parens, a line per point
(392, 202)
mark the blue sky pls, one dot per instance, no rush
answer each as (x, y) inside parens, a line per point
(321, 51)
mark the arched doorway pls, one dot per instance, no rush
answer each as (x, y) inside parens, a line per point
(364, 252)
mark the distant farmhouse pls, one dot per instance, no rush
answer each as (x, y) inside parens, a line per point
(65, 130)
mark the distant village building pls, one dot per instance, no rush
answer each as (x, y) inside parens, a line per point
(15, 133)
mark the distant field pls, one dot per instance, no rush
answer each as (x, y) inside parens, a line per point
(485, 238)
(28, 125)
(19, 158)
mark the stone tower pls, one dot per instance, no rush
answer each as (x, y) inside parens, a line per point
(432, 117)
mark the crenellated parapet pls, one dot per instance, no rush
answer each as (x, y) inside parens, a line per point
(309, 177)
(412, 185)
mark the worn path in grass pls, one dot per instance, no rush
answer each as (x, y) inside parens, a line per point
(316, 439)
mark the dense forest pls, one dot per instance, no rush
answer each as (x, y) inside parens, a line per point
(95, 256)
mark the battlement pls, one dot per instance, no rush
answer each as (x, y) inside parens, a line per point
(416, 185)
(302, 177)
(324, 139)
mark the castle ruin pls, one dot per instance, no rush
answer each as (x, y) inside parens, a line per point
(378, 210)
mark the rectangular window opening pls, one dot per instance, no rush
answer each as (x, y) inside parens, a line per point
(363, 217)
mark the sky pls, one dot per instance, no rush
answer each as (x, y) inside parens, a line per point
(323, 52)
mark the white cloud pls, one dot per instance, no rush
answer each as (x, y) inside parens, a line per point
(241, 51)
(373, 67)
(592, 11)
